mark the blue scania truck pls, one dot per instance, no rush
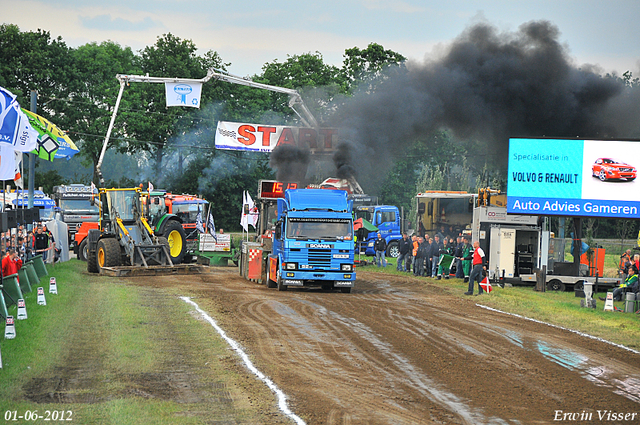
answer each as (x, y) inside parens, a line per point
(313, 242)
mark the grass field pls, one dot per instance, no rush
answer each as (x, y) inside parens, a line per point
(106, 352)
(557, 308)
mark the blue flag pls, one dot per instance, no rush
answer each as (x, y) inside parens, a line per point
(15, 128)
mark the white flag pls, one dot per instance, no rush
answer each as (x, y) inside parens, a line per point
(244, 218)
(150, 188)
(17, 178)
(252, 218)
(183, 94)
(7, 162)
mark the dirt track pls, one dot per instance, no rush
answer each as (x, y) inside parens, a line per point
(399, 351)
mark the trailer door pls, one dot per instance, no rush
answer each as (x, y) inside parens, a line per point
(502, 253)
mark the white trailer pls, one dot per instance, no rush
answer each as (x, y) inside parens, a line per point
(516, 246)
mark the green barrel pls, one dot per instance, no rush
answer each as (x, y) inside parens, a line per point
(11, 289)
(25, 285)
(41, 269)
(34, 280)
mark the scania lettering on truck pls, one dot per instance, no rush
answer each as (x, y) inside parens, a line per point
(313, 241)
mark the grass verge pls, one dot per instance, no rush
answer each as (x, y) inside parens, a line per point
(558, 308)
(107, 352)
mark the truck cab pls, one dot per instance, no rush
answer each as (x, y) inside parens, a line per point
(313, 243)
(74, 205)
(387, 219)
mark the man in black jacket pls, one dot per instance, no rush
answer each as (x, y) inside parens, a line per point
(380, 247)
(405, 247)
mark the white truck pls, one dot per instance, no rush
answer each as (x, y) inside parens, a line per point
(516, 246)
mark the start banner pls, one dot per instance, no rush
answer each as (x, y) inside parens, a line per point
(264, 138)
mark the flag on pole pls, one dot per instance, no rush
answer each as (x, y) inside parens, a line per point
(7, 162)
(18, 170)
(486, 285)
(253, 215)
(212, 227)
(244, 217)
(199, 223)
(15, 128)
(150, 188)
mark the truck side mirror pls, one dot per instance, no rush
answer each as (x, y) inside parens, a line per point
(421, 208)
(279, 230)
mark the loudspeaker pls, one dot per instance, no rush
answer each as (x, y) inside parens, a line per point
(12, 219)
(3, 222)
(20, 216)
(30, 215)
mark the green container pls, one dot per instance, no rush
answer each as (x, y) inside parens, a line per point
(3, 306)
(25, 285)
(12, 292)
(41, 269)
(34, 280)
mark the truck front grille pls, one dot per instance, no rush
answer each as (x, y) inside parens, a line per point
(320, 257)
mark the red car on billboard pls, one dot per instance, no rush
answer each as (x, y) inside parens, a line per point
(607, 169)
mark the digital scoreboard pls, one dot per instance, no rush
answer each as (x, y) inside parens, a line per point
(273, 189)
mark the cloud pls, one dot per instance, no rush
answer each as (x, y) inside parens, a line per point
(107, 22)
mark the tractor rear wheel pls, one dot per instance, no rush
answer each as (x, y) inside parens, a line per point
(174, 232)
(108, 253)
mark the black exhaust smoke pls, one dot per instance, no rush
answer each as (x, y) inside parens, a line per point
(290, 162)
(486, 87)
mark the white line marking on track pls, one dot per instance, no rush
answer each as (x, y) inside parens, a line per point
(560, 327)
(282, 398)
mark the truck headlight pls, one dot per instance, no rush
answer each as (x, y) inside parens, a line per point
(290, 266)
(346, 267)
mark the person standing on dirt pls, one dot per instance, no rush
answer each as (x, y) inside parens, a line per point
(478, 266)
(415, 244)
(446, 250)
(380, 247)
(418, 262)
(404, 246)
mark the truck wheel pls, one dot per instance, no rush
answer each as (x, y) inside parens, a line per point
(174, 232)
(392, 249)
(345, 290)
(108, 253)
(281, 287)
(555, 285)
(270, 283)
(92, 263)
(83, 251)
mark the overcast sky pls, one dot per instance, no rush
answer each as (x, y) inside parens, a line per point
(249, 33)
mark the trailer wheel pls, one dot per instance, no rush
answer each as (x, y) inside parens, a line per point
(83, 253)
(281, 287)
(392, 249)
(108, 253)
(345, 290)
(556, 285)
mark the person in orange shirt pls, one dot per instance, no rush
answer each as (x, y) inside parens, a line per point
(11, 263)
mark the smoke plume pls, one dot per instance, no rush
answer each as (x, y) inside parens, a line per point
(487, 86)
(290, 162)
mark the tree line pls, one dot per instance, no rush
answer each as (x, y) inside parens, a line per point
(77, 90)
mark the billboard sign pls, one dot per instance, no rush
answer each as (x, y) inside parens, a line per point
(569, 177)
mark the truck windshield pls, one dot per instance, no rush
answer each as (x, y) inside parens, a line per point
(327, 229)
(77, 204)
(188, 212)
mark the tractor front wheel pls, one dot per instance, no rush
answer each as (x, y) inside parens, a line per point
(108, 253)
